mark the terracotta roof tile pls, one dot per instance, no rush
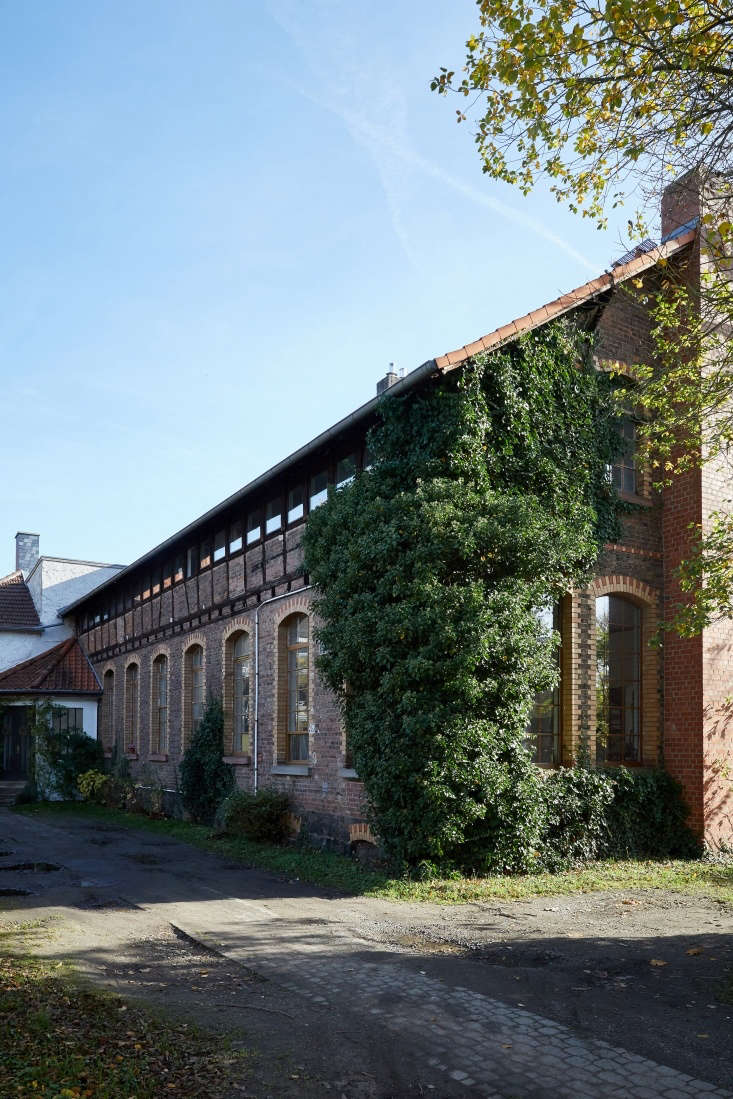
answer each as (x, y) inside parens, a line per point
(62, 669)
(566, 302)
(17, 608)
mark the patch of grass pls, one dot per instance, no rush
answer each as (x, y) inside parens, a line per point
(694, 876)
(62, 1040)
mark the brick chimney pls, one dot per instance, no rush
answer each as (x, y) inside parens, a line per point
(26, 551)
(686, 200)
(387, 381)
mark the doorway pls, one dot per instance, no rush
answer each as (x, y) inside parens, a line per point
(16, 743)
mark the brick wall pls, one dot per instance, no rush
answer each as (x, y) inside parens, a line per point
(213, 609)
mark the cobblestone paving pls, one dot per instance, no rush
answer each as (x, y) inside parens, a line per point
(485, 1046)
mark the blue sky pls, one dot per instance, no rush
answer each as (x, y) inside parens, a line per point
(221, 222)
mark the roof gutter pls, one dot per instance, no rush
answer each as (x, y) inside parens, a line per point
(18, 691)
(426, 370)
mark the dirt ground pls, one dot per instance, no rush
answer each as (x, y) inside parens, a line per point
(290, 970)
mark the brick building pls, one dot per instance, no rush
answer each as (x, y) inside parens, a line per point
(223, 606)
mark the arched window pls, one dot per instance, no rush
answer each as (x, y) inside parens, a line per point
(132, 683)
(240, 693)
(108, 709)
(543, 728)
(293, 689)
(618, 680)
(159, 707)
(193, 702)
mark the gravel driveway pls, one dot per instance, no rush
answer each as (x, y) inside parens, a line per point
(624, 994)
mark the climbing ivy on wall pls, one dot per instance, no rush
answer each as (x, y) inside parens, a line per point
(489, 496)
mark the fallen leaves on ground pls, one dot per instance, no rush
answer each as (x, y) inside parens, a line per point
(63, 1039)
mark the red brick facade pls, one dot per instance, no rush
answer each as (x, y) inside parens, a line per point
(151, 609)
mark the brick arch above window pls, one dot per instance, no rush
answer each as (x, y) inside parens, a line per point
(618, 584)
(191, 639)
(242, 623)
(159, 650)
(298, 604)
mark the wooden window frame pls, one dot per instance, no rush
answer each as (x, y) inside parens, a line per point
(108, 710)
(132, 708)
(285, 734)
(159, 709)
(602, 756)
(190, 686)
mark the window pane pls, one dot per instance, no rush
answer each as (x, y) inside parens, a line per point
(254, 527)
(298, 630)
(196, 666)
(318, 490)
(156, 582)
(297, 687)
(273, 516)
(241, 672)
(618, 680)
(623, 471)
(178, 568)
(543, 728)
(191, 561)
(220, 547)
(345, 471)
(295, 504)
(206, 553)
(235, 536)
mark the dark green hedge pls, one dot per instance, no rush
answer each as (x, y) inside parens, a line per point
(616, 813)
(261, 816)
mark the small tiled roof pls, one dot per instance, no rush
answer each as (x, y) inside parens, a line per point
(566, 302)
(17, 608)
(64, 669)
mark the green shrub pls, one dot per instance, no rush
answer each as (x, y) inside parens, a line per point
(647, 817)
(261, 816)
(576, 803)
(205, 778)
(93, 785)
(64, 757)
(616, 813)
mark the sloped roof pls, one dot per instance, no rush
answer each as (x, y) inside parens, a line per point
(17, 609)
(566, 302)
(64, 669)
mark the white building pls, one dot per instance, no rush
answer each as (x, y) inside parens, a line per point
(40, 658)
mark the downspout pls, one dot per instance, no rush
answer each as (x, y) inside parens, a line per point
(272, 599)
